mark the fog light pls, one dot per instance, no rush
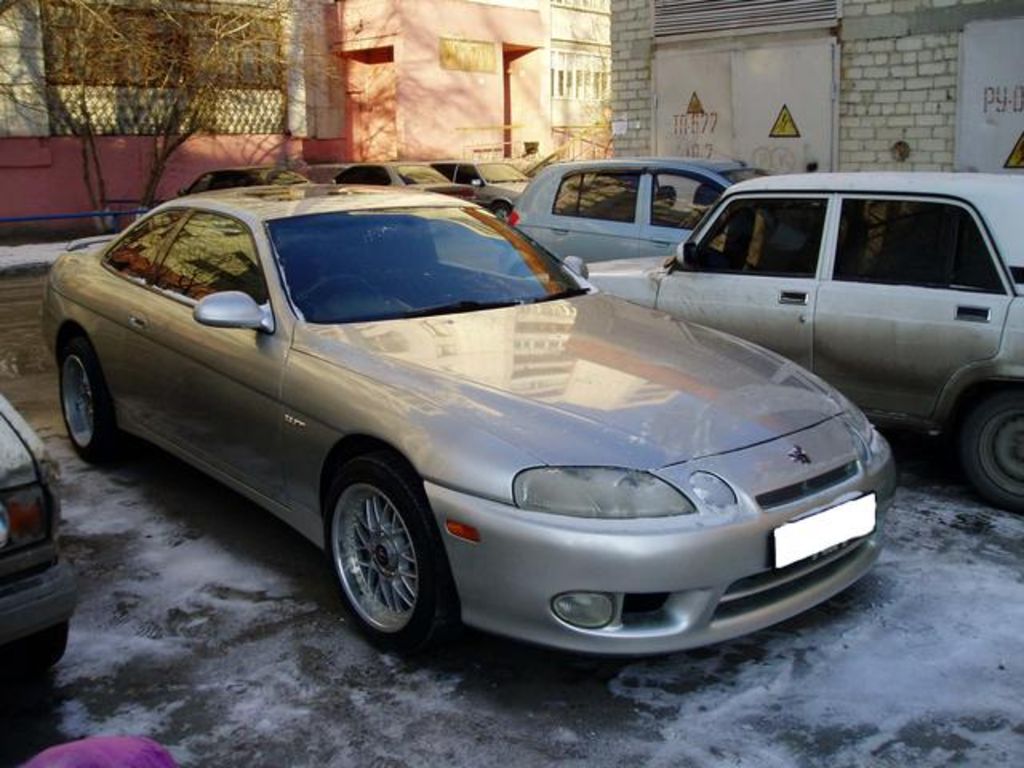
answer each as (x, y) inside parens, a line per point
(590, 610)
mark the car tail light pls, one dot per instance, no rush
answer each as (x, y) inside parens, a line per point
(513, 218)
(22, 517)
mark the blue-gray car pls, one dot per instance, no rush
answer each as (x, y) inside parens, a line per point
(624, 208)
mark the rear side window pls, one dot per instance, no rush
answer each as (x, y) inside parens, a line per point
(445, 169)
(136, 253)
(766, 237)
(364, 174)
(680, 201)
(607, 196)
(212, 253)
(913, 242)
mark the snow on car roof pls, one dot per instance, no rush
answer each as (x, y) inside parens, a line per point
(996, 197)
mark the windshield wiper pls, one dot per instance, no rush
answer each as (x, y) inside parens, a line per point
(566, 294)
(461, 306)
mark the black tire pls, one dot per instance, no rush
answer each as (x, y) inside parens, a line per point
(501, 209)
(991, 443)
(94, 434)
(434, 615)
(33, 655)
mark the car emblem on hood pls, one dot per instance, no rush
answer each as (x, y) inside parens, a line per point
(798, 455)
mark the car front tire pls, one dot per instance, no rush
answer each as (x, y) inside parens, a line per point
(992, 449)
(387, 554)
(35, 654)
(86, 403)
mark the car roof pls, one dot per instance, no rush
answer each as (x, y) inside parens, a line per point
(715, 166)
(996, 196)
(275, 202)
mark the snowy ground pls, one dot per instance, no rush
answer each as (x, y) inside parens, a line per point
(213, 628)
(29, 257)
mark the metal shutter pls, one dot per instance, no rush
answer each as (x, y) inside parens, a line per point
(688, 17)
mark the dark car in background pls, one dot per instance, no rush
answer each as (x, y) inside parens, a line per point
(415, 175)
(498, 184)
(621, 209)
(37, 588)
(251, 176)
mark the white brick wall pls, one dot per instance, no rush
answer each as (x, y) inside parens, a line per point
(632, 99)
(898, 88)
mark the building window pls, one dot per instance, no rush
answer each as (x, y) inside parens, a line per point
(601, 6)
(580, 76)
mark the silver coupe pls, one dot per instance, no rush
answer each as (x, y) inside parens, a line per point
(471, 431)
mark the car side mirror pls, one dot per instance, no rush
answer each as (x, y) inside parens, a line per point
(477, 182)
(233, 309)
(686, 255)
(577, 265)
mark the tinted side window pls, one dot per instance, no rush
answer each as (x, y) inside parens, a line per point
(768, 237)
(466, 174)
(446, 169)
(913, 242)
(365, 174)
(136, 252)
(679, 201)
(212, 253)
(604, 195)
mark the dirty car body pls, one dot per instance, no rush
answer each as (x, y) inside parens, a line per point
(471, 432)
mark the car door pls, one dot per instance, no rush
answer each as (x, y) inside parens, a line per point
(915, 294)
(675, 206)
(220, 394)
(753, 272)
(122, 297)
(594, 215)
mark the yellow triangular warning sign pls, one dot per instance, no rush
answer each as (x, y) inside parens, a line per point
(695, 107)
(1016, 158)
(785, 126)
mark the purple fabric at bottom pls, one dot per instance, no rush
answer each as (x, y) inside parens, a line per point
(105, 752)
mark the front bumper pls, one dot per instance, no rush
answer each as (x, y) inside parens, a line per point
(677, 582)
(35, 602)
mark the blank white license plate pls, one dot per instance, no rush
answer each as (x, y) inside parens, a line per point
(811, 535)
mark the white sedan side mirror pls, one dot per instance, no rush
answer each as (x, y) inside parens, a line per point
(577, 265)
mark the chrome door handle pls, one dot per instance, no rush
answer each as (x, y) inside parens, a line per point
(137, 321)
(793, 297)
(974, 314)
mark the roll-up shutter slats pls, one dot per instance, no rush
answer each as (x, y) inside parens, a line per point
(687, 17)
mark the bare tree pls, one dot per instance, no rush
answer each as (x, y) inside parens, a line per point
(166, 69)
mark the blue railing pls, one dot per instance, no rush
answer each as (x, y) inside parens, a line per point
(114, 216)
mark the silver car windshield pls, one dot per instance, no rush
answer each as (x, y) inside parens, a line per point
(501, 173)
(357, 266)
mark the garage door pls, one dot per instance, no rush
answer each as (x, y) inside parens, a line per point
(772, 106)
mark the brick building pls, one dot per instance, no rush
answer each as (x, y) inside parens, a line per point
(817, 84)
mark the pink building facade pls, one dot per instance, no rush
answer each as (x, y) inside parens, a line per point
(366, 80)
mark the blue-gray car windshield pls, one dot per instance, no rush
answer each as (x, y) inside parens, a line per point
(357, 266)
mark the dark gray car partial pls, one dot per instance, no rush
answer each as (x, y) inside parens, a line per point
(37, 587)
(471, 432)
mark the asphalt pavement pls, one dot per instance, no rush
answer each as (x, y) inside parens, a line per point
(210, 626)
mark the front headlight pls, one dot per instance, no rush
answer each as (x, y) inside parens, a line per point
(869, 442)
(599, 492)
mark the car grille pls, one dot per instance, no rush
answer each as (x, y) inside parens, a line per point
(809, 487)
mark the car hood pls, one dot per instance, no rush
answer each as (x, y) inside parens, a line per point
(17, 466)
(593, 379)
